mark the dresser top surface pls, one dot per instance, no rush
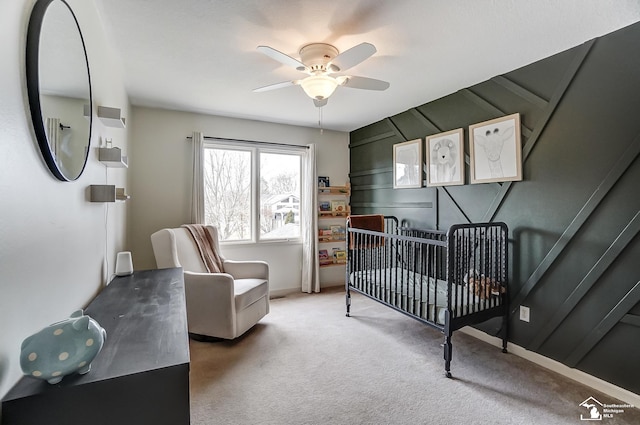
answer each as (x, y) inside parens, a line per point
(144, 315)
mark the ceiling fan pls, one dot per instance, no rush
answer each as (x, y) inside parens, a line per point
(319, 61)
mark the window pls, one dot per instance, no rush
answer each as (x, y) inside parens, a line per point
(227, 192)
(253, 193)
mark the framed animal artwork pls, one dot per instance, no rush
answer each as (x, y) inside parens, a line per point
(407, 164)
(495, 150)
(445, 158)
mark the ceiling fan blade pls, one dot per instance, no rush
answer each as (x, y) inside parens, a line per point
(364, 83)
(320, 102)
(352, 57)
(275, 86)
(281, 57)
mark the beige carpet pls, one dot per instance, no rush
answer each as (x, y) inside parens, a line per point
(306, 363)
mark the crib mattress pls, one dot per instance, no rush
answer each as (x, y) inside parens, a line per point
(420, 295)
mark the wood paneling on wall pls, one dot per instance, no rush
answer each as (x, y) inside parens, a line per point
(575, 217)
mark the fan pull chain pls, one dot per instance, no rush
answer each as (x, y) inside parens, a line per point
(320, 120)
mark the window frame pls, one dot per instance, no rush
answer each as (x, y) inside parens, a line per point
(256, 148)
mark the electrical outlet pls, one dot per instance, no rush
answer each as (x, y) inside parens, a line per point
(524, 313)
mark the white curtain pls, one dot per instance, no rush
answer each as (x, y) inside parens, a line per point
(53, 134)
(197, 183)
(310, 272)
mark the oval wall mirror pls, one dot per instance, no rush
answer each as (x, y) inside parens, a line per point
(59, 88)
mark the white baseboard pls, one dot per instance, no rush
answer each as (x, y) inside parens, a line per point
(281, 293)
(557, 367)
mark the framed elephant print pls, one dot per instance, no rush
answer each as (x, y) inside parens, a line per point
(445, 158)
(495, 150)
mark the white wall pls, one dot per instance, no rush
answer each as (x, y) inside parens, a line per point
(53, 242)
(161, 179)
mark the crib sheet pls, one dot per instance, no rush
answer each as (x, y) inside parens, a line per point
(412, 292)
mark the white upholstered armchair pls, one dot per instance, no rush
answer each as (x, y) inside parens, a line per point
(220, 305)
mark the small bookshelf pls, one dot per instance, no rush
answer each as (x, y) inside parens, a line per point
(333, 210)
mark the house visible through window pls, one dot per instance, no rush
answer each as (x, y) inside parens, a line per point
(253, 193)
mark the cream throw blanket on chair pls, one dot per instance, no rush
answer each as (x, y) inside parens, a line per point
(205, 242)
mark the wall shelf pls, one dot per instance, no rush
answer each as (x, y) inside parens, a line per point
(107, 193)
(112, 157)
(335, 190)
(334, 214)
(323, 266)
(111, 117)
(325, 240)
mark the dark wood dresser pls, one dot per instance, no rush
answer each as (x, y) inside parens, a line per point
(140, 377)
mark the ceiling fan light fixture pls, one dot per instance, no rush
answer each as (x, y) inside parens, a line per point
(319, 86)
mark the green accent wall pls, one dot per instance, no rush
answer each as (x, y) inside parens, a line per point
(574, 219)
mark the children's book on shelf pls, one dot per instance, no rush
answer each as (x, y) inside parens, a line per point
(338, 233)
(324, 206)
(323, 257)
(338, 206)
(323, 181)
(325, 234)
(339, 255)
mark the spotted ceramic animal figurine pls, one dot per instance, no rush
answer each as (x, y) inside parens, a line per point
(62, 348)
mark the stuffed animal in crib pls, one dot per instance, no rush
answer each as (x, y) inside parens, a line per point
(484, 287)
(62, 348)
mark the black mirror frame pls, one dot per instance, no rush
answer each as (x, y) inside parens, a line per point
(33, 86)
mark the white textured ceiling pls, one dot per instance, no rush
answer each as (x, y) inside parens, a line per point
(200, 55)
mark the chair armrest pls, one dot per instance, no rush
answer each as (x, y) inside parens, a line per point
(247, 269)
(210, 303)
(220, 284)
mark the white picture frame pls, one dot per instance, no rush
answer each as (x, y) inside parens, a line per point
(407, 164)
(445, 158)
(495, 150)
